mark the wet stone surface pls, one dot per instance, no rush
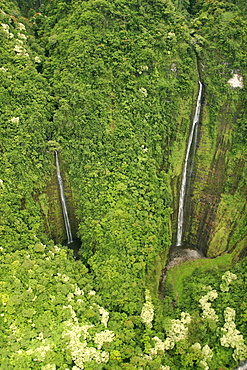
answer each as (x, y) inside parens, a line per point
(178, 255)
(182, 254)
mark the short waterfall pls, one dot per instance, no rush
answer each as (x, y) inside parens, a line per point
(193, 133)
(63, 202)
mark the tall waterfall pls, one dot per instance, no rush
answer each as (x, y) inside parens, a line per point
(185, 175)
(63, 202)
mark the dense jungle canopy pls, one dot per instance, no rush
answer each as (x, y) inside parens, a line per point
(112, 86)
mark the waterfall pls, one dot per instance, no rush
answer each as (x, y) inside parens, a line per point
(63, 202)
(184, 175)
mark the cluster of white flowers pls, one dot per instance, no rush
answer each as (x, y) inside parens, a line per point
(15, 119)
(4, 69)
(164, 367)
(232, 337)
(227, 278)
(72, 312)
(206, 353)
(91, 292)
(236, 81)
(62, 277)
(81, 353)
(65, 278)
(171, 35)
(142, 69)
(177, 332)
(37, 59)
(19, 49)
(70, 297)
(5, 27)
(207, 311)
(103, 337)
(75, 331)
(10, 35)
(57, 249)
(78, 291)
(173, 68)
(22, 36)
(147, 313)
(39, 353)
(13, 327)
(49, 367)
(21, 27)
(104, 316)
(179, 328)
(196, 346)
(144, 148)
(159, 346)
(147, 357)
(143, 92)
(78, 335)
(40, 336)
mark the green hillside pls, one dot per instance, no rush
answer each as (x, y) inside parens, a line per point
(112, 86)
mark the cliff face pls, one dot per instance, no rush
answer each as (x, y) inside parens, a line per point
(50, 205)
(215, 220)
(217, 199)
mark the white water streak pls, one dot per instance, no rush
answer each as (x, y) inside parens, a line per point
(184, 175)
(63, 202)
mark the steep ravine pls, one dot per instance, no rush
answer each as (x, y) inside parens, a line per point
(208, 184)
(51, 206)
(216, 220)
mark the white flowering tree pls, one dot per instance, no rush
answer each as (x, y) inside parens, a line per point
(147, 313)
(52, 315)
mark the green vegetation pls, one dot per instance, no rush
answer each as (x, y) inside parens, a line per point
(220, 182)
(178, 275)
(112, 86)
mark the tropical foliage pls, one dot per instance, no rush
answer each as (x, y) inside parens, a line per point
(111, 85)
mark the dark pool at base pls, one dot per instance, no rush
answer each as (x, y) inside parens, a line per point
(75, 246)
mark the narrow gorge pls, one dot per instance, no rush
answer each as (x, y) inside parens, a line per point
(63, 202)
(186, 173)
